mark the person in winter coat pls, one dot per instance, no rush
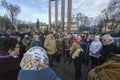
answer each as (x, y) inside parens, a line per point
(36, 41)
(22, 48)
(14, 48)
(26, 42)
(59, 44)
(109, 70)
(9, 65)
(67, 44)
(108, 47)
(50, 45)
(42, 38)
(77, 59)
(87, 41)
(95, 48)
(35, 66)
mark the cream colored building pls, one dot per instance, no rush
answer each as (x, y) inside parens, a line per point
(107, 27)
(117, 28)
(73, 26)
(43, 27)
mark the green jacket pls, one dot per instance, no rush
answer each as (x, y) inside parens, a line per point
(25, 44)
(60, 45)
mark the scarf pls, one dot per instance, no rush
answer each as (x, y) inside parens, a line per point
(34, 59)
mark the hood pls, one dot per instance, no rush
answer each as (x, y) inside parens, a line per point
(44, 74)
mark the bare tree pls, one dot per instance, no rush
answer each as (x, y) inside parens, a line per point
(81, 20)
(100, 22)
(4, 22)
(85, 21)
(106, 18)
(13, 10)
(114, 10)
(112, 15)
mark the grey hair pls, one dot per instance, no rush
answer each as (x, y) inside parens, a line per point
(109, 37)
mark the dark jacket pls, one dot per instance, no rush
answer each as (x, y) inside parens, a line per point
(87, 43)
(36, 43)
(22, 50)
(9, 68)
(106, 52)
(44, 74)
(67, 43)
(42, 38)
(82, 55)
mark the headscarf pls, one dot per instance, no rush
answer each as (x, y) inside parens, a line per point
(34, 59)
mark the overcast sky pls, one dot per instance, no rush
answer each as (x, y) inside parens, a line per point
(33, 9)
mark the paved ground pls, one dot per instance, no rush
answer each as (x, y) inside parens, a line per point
(66, 70)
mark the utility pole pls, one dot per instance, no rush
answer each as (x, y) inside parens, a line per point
(49, 17)
(69, 16)
(56, 15)
(62, 14)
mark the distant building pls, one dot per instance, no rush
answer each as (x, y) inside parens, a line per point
(43, 27)
(107, 27)
(73, 26)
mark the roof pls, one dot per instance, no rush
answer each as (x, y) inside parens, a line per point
(88, 28)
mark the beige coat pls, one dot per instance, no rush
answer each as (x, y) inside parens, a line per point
(50, 45)
(109, 70)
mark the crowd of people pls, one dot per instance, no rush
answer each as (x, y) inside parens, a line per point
(32, 56)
